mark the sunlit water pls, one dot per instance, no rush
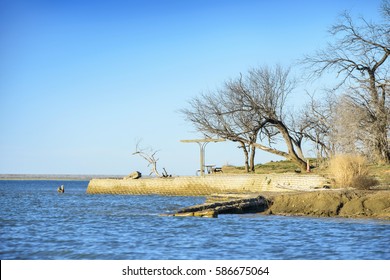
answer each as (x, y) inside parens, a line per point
(38, 223)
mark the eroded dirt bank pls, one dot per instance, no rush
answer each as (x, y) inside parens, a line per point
(332, 203)
(329, 203)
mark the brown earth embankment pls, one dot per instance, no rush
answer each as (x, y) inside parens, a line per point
(332, 203)
(329, 203)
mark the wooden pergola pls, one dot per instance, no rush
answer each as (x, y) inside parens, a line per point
(202, 146)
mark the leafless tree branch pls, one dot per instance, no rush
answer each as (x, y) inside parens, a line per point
(149, 155)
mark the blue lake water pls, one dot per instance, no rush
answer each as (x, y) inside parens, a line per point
(38, 223)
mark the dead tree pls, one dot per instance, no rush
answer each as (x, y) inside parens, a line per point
(319, 123)
(219, 114)
(149, 156)
(247, 109)
(264, 91)
(359, 57)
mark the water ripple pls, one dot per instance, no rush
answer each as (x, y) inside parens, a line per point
(39, 223)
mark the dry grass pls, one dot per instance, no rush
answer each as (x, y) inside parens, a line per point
(351, 171)
(382, 172)
(363, 180)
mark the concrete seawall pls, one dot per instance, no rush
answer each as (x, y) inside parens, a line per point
(207, 185)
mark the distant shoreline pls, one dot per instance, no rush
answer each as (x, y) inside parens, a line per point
(56, 177)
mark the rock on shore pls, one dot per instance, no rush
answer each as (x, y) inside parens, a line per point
(330, 203)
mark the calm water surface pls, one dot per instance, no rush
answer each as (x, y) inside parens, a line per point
(38, 223)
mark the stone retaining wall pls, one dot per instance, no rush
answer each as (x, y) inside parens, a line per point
(207, 185)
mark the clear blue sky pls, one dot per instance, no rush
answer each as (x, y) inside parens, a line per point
(81, 81)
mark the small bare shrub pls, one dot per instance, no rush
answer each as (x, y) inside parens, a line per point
(351, 171)
(364, 182)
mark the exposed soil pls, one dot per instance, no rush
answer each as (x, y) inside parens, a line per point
(342, 203)
(326, 203)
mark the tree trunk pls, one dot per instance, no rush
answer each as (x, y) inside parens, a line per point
(299, 162)
(252, 159)
(246, 155)
(381, 144)
(290, 146)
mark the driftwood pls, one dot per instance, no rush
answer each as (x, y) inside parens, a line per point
(238, 206)
(149, 156)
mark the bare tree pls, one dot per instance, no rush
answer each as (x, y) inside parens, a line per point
(356, 122)
(351, 135)
(385, 9)
(317, 123)
(359, 55)
(216, 114)
(297, 128)
(248, 108)
(265, 91)
(149, 156)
